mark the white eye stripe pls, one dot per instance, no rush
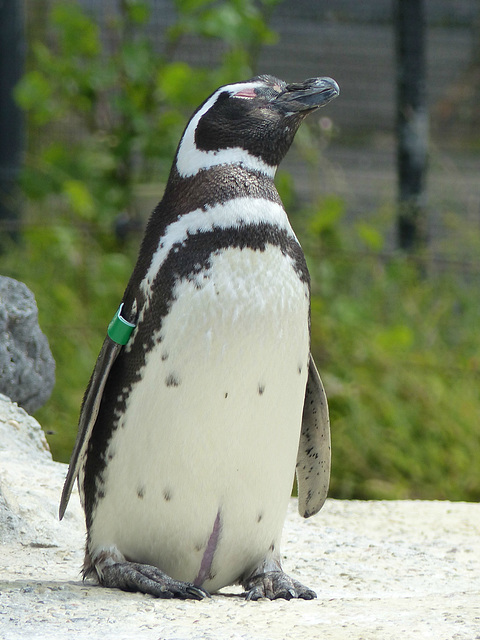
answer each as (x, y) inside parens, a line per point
(244, 88)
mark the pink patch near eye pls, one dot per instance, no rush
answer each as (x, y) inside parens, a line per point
(245, 93)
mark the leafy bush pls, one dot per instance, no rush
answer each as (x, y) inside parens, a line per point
(400, 357)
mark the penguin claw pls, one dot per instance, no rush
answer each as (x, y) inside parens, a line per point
(254, 594)
(198, 593)
(274, 585)
(132, 576)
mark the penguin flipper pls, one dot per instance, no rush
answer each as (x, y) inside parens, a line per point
(313, 458)
(88, 414)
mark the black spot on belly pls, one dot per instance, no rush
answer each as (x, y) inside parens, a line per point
(261, 389)
(226, 395)
(272, 547)
(167, 494)
(259, 517)
(164, 356)
(141, 492)
(172, 380)
(299, 369)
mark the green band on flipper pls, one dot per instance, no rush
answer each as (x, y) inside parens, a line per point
(119, 329)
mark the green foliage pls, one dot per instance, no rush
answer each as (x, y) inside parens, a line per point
(399, 354)
(240, 23)
(112, 101)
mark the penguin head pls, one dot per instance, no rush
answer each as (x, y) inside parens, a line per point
(250, 123)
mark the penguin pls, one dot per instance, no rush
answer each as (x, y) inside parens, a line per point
(205, 398)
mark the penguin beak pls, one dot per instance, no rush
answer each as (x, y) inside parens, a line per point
(304, 97)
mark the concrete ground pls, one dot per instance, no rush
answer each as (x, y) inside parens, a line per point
(382, 570)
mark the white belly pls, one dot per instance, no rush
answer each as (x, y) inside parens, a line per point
(211, 432)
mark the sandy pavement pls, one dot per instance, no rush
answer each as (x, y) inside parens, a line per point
(382, 570)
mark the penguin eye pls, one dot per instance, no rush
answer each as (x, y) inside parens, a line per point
(247, 92)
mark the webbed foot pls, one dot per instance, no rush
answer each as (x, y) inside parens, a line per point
(133, 576)
(276, 584)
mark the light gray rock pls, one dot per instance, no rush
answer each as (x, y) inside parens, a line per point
(27, 367)
(402, 570)
(27, 514)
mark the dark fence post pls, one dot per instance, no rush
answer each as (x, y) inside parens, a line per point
(12, 54)
(412, 123)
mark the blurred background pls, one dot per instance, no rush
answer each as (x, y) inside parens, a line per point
(382, 187)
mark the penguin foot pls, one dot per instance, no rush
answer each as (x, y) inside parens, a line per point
(133, 576)
(276, 584)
